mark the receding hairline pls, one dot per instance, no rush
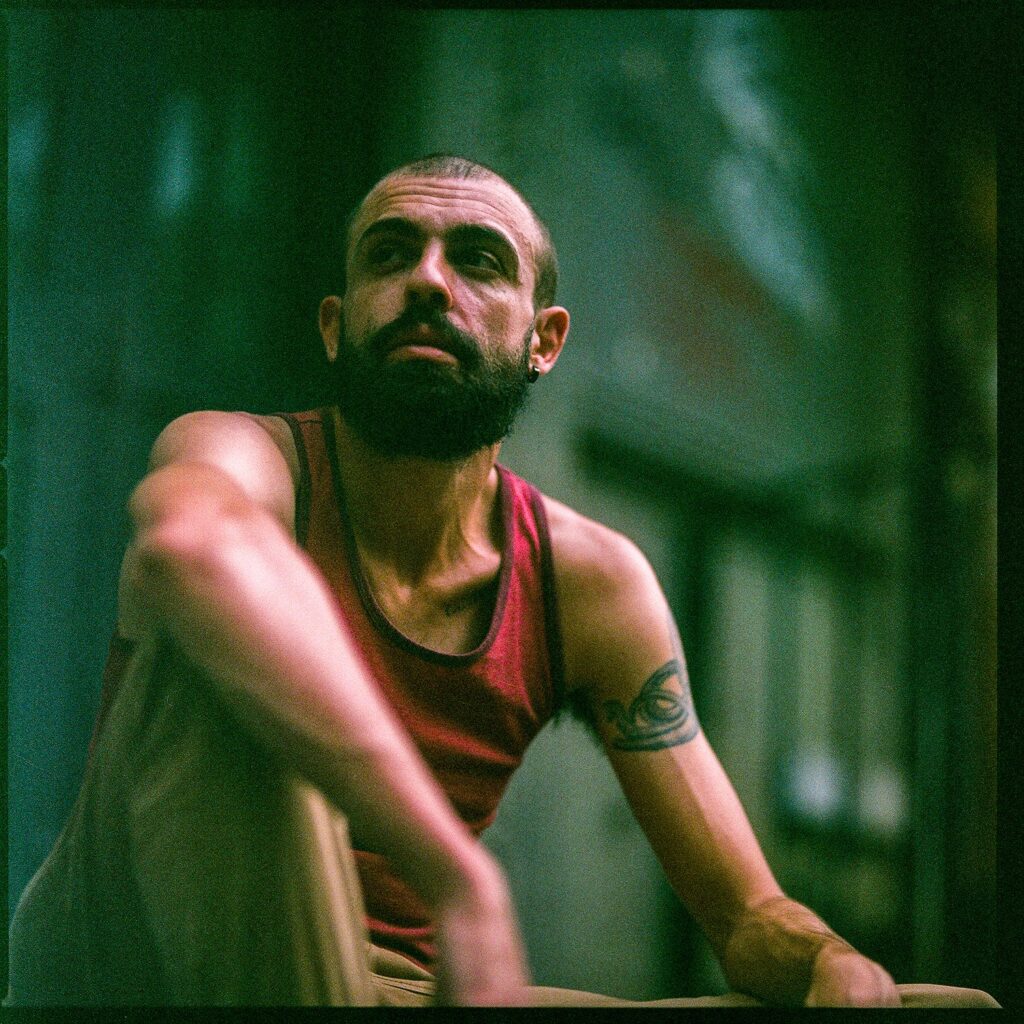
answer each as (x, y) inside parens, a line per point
(535, 238)
(541, 249)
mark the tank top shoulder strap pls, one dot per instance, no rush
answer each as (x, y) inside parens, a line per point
(531, 503)
(307, 430)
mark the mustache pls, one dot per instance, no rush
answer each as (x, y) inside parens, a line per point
(461, 345)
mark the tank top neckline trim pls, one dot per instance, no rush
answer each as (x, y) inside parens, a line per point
(373, 610)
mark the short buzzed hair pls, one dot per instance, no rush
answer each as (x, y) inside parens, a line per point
(450, 165)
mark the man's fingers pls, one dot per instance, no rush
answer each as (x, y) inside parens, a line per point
(847, 978)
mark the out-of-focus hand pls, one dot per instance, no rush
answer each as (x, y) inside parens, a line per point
(480, 960)
(843, 977)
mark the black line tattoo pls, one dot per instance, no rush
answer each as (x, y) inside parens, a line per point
(657, 717)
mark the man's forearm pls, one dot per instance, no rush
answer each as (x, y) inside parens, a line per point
(772, 950)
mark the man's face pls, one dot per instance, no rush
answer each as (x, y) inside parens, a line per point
(437, 318)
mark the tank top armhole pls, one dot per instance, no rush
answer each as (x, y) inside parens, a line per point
(302, 493)
(552, 623)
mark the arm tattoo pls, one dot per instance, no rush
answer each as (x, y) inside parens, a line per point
(657, 718)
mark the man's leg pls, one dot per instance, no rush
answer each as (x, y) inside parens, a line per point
(924, 996)
(244, 872)
(401, 983)
(913, 996)
(543, 995)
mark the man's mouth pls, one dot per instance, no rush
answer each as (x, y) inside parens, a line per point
(420, 342)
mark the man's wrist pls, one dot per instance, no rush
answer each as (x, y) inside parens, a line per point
(459, 870)
(475, 877)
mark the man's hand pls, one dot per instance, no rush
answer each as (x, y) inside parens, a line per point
(843, 977)
(783, 953)
(480, 956)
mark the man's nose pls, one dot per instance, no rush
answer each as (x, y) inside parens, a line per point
(429, 282)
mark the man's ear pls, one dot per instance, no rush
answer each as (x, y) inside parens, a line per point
(550, 328)
(330, 325)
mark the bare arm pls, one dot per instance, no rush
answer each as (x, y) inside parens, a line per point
(212, 565)
(623, 649)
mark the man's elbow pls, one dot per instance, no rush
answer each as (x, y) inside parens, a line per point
(184, 495)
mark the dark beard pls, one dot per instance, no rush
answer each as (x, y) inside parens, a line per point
(422, 409)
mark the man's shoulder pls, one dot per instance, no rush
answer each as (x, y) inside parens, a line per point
(217, 421)
(256, 451)
(211, 431)
(608, 594)
(591, 557)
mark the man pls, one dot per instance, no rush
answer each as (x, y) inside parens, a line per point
(338, 631)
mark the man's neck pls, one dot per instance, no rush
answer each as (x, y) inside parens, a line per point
(419, 518)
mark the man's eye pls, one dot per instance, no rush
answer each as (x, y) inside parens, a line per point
(478, 259)
(386, 253)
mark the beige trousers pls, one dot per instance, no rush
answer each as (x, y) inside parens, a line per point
(243, 871)
(401, 983)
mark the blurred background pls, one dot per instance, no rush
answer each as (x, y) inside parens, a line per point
(777, 238)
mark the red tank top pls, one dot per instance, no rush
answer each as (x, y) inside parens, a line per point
(470, 715)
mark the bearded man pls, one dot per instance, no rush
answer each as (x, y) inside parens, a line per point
(338, 631)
